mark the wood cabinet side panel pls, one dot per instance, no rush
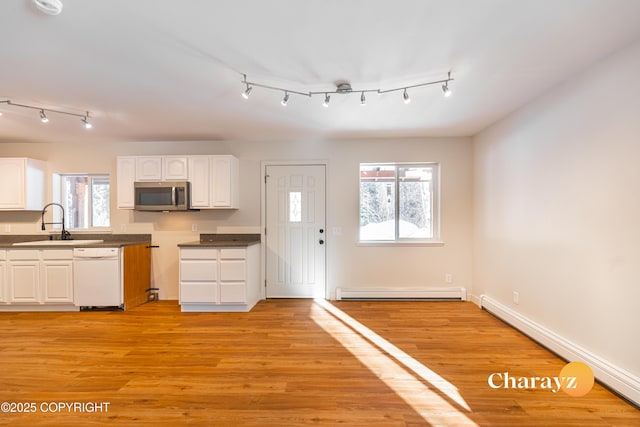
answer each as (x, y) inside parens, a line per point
(137, 274)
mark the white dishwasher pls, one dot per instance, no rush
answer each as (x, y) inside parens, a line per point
(97, 279)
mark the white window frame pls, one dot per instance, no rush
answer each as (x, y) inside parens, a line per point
(435, 206)
(57, 197)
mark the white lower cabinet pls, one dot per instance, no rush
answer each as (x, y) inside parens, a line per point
(199, 276)
(39, 277)
(219, 279)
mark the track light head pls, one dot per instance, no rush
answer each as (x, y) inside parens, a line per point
(446, 90)
(285, 99)
(405, 96)
(85, 123)
(327, 98)
(246, 93)
(363, 100)
(43, 117)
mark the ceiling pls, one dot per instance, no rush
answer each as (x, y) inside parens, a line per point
(161, 70)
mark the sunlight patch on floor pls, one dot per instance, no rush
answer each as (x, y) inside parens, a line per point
(392, 366)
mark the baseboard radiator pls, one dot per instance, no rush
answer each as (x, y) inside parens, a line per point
(620, 380)
(402, 294)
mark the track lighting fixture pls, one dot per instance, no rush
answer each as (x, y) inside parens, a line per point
(84, 118)
(285, 99)
(344, 87)
(327, 98)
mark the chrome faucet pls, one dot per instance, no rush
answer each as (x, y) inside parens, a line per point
(65, 235)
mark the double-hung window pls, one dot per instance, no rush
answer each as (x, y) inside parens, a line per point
(399, 202)
(85, 198)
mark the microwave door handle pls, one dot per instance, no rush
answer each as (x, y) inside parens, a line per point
(174, 196)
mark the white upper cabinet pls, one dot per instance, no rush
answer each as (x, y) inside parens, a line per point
(214, 179)
(214, 182)
(22, 183)
(149, 168)
(200, 181)
(162, 168)
(126, 178)
(175, 168)
(224, 181)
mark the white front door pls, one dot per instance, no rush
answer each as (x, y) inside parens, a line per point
(295, 231)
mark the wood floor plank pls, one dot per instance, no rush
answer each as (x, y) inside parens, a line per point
(287, 362)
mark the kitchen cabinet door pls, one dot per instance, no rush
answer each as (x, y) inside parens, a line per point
(57, 281)
(175, 168)
(22, 184)
(126, 178)
(224, 175)
(149, 168)
(200, 181)
(24, 281)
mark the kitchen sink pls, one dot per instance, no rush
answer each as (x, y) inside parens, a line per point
(58, 242)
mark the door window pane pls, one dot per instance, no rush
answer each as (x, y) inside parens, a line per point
(295, 206)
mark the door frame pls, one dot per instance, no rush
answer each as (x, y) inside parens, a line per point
(263, 214)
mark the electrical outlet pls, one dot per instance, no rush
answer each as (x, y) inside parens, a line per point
(516, 298)
(123, 228)
(194, 227)
(448, 278)
(7, 228)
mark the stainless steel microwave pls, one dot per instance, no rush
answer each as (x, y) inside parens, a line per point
(162, 196)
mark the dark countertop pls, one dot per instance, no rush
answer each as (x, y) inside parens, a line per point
(110, 241)
(223, 240)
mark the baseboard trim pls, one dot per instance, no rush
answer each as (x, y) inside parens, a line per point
(618, 379)
(402, 293)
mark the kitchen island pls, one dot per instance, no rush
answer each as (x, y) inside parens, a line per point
(220, 273)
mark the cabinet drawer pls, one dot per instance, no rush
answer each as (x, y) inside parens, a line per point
(193, 253)
(198, 292)
(202, 271)
(232, 292)
(233, 253)
(30, 254)
(232, 270)
(57, 254)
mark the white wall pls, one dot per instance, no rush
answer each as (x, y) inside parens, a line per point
(557, 210)
(347, 263)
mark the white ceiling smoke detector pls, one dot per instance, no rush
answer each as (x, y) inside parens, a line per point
(50, 7)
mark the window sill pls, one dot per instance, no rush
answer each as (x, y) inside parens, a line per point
(429, 243)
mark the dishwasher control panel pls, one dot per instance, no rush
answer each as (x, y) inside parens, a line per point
(96, 252)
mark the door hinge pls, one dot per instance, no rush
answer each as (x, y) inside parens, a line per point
(265, 178)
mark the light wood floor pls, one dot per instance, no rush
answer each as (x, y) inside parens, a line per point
(286, 363)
